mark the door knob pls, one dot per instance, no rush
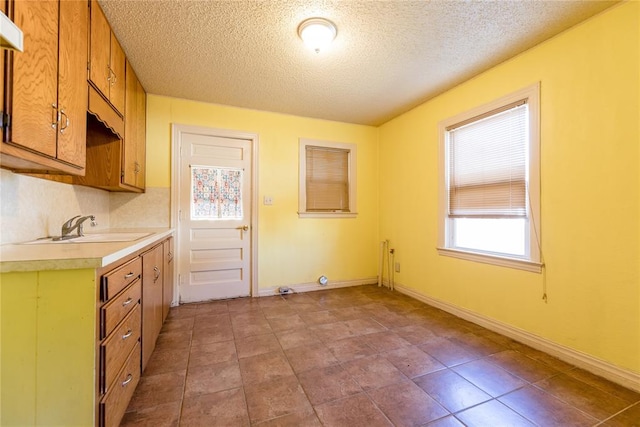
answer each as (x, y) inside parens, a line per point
(244, 228)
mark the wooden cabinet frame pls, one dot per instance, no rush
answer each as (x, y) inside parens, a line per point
(44, 112)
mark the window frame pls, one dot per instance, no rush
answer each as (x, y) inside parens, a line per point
(532, 262)
(302, 174)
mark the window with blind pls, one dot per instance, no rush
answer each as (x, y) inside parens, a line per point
(490, 182)
(327, 179)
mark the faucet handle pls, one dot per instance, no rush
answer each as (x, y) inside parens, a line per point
(67, 225)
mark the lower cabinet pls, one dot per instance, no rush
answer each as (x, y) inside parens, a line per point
(152, 280)
(131, 305)
(119, 345)
(115, 402)
(167, 286)
(73, 340)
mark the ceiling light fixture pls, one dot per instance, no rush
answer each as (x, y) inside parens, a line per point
(317, 33)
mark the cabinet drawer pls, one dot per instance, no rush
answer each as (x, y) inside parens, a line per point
(115, 310)
(114, 349)
(118, 279)
(115, 402)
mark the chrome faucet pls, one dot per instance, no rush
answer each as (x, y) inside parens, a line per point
(69, 226)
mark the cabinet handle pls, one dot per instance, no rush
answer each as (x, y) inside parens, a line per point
(54, 116)
(127, 381)
(109, 73)
(127, 302)
(62, 113)
(128, 275)
(127, 335)
(157, 271)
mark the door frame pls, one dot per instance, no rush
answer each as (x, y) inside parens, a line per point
(176, 146)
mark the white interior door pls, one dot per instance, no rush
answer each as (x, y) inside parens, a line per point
(215, 205)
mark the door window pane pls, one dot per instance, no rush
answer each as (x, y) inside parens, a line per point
(216, 193)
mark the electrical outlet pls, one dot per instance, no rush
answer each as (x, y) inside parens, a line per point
(397, 267)
(268, 200)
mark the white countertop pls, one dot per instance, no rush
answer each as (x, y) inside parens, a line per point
(71, 256)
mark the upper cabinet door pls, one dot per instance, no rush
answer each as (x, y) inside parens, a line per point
(72, 82)
(130, 129)
(133, 159)
(107, 69)
(35, 78)
(117, 66)
(141, 136)
(99, 72)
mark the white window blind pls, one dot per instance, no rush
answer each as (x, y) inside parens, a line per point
(327, 179)
(488, 164)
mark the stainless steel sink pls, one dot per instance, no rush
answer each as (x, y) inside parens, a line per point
(92, 238)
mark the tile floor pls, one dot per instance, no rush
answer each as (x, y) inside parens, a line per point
(361, 356)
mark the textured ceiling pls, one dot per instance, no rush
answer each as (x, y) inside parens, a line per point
(388, 56)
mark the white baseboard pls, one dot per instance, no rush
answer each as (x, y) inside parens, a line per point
(582, 360)
(314, 286)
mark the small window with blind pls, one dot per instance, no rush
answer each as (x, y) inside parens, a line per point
(327, 179)
(490, 185)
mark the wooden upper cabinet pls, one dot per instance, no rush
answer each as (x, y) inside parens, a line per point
(118, 73)
(133, 159)
(107, 60)
(35, 83)
(141, 140)
(100, 50)
(46, 98)
(72, 93)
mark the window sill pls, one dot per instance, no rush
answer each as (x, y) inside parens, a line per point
(520, 264)
(327, 214)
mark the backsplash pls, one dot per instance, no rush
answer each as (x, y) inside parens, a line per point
(150, 209)
(31, 208)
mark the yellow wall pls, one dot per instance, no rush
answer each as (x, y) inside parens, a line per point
(590, 193)
(48, 348)
(291, 250)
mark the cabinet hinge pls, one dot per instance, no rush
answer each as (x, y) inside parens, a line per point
(122, 175)
(5, 120)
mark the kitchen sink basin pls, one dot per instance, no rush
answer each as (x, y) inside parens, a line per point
(92, 238)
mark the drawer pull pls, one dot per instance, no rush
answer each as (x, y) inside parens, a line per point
(127, 381)
(127, 335)
(127, 302)
(129, 275)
